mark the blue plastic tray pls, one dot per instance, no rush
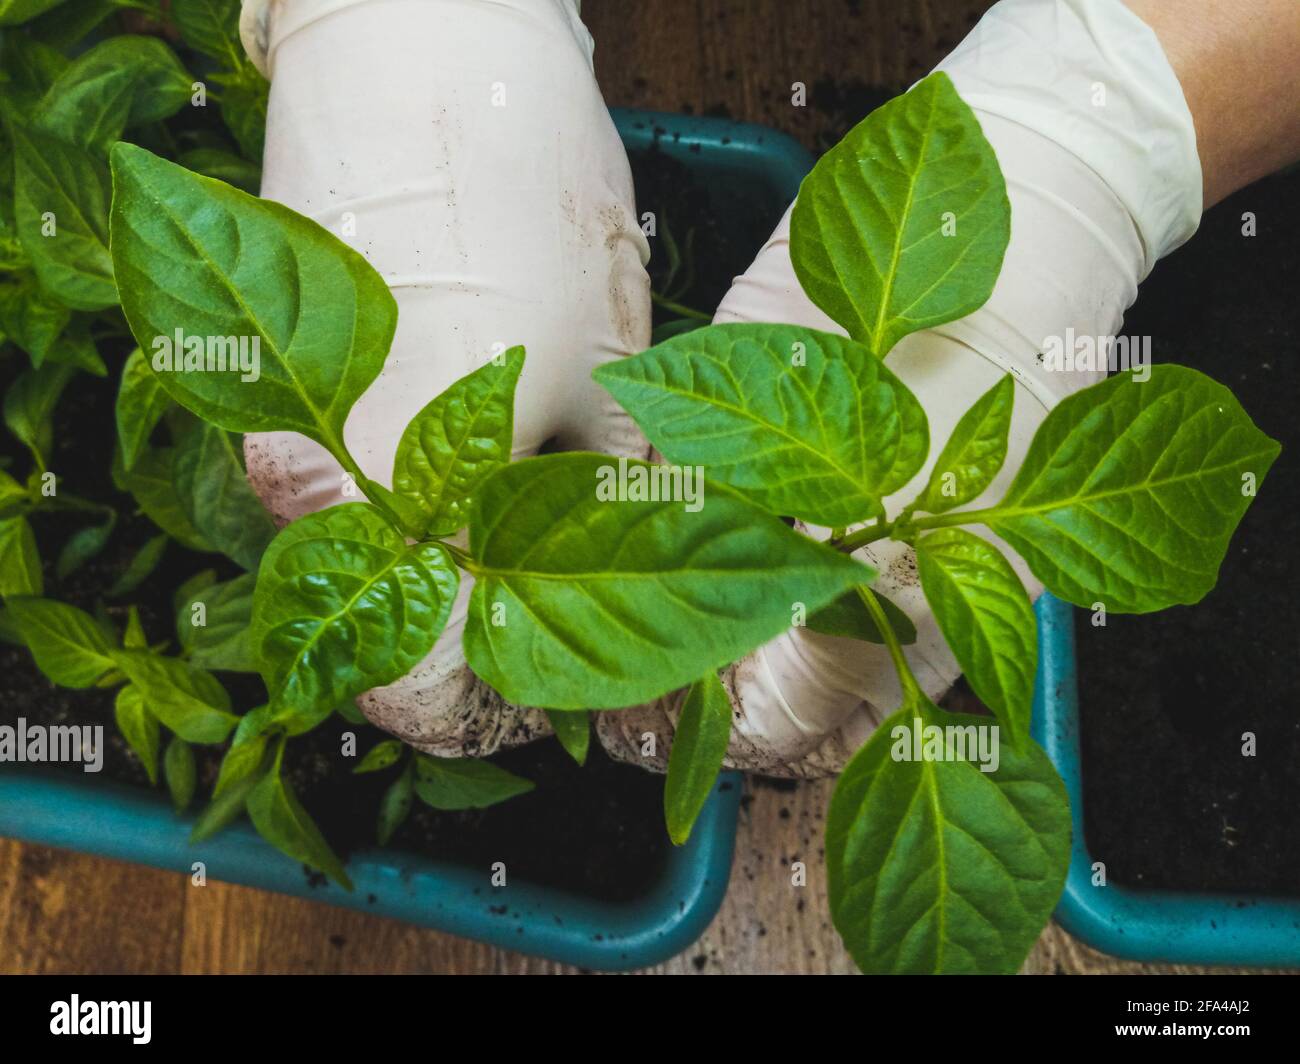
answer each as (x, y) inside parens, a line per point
(1144, 925)
(133, 824)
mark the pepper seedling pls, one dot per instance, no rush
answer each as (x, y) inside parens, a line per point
(1129, 494)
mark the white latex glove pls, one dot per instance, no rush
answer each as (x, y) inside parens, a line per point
(465, 150)
(1098, 150)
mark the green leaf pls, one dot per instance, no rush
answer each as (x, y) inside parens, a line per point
(76, 348)
(9, 632)
(344, 605)
(586, 604)
(139, 568)
(395, 806)
(188, 700)
(848, 618)
(120, 82)
(805, 423)
(677, 327)
(28, 67)
(68, 645)
(30, 318)
(244, 98)
(141, 403)
(246, 763)
(14, 498)
(184, 594)
(223, 166)
(974, 452)
(139, 728)
(985, 615)
(383, 755)
(13, 259)
(61, 201)
(152, 483)
(16, 12)
(280, 819)
(82, 546)
(134, 638)
(211, 27)
(29, 408)
(214, 492)
(224, 640)
(20, 563)
(453, 444)
(254, 723)
(464, 783)
(322, 317)
(699, 745)
(72, 20)
(1131, 490)
(935, 866)
(223, 811)
(245, 758)
(180, 773)
(573, 730)
(903, 224)
(294, 721)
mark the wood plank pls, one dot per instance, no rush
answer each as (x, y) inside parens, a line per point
(742, 57)
(69, 913)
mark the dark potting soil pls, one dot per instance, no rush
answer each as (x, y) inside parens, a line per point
(597, 830)
(1166, 699)
(733, 225)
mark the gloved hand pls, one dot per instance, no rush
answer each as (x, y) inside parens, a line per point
(1099, 154)
(465, 150)
(1099, 191)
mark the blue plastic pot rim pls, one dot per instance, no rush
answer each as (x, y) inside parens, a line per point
(1137, 924)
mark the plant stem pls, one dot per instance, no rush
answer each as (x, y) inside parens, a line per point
(911, 689)
(459, 556)
(679, 308)
(66, 501)
(863, 536)
(959, 517)
(363, 482)
(377, 500)
(872, 533)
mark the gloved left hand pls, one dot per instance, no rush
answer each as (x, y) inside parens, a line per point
(465, 150)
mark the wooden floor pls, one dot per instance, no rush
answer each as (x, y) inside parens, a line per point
(65, 912)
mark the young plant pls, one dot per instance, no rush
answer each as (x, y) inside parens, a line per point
(354, 597)
(58, 304)
(1128, 495)
(677, 279)
(62, 105)
(58, 301)
(440, 783)
(76, 650)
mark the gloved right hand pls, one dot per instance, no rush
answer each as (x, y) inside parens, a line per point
(1098, 150)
